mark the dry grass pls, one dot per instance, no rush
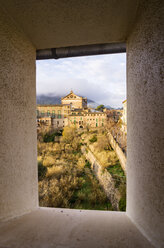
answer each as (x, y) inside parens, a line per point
(69, 182)
(56, 171)
(106, 157)
(48, 160)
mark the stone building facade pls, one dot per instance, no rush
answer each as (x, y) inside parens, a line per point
(53, 115)
(85, 119)
(72, 112)
(75, 102)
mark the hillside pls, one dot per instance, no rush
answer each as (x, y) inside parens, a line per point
(49, 99)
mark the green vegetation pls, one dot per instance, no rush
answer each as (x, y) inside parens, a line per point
(88, 164)
(65, 176)
(50, 137)
(93, 139)
(122, 202)
(103, 151)
(100, 107)
(90, 195)
(116, 169)
(41, 170)
(67, 179)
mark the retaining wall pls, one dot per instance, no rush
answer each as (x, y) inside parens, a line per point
(121, 156)
(104, 178)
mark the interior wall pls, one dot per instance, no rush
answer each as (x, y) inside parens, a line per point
(18, 167)
(145, 122)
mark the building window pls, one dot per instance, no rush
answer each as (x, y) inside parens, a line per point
(48, 113)
(59, 114)
(53, 113)
(42, 113)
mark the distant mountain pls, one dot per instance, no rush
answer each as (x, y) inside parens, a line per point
(92, 104)
(108, 107)
(50, 100)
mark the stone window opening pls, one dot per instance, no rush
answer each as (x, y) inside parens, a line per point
(141, 225)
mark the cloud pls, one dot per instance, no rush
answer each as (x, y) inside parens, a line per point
(101, 78)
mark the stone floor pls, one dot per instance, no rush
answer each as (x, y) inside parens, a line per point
(61, 228)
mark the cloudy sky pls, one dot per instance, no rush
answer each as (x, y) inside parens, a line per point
(100, 78)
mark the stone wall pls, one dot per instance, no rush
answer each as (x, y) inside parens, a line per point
(104, 178)
(121, 156)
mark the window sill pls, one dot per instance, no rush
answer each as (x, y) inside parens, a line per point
(50, 227)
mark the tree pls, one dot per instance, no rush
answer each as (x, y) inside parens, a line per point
(69, 133)
(100, 107)
(71, 137)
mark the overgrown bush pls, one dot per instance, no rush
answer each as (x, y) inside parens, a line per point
(49, 160)
(93, 139)
(50, 137)
(88, 164)
(41, 171)
(65, 176)
(122, 202)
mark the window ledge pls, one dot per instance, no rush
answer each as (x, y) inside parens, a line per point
(61, 228)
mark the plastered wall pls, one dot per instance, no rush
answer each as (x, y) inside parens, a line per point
(18, 168)
(145, 90)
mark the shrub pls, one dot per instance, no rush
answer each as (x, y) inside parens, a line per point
(65, 176)
(81, 162)
(88, 164)
(122, 204)
(49, 160)
(41, 171)
(55, 171)
(50, 137)
(69, 133)
(81, 196)
(93, 139)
